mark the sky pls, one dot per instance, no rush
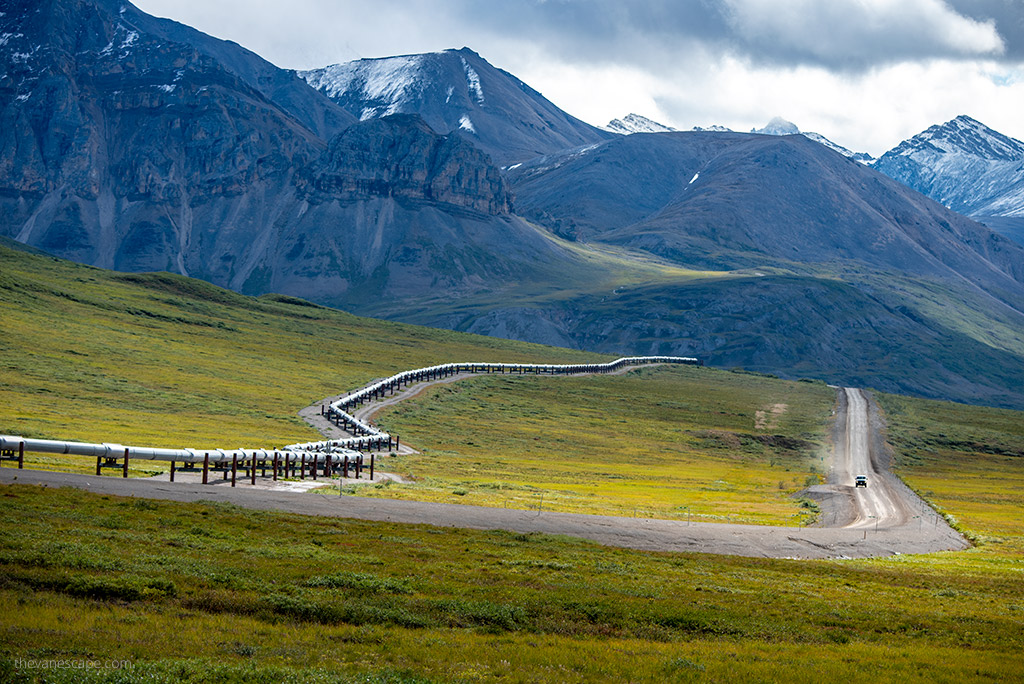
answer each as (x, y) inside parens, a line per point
(865, 73)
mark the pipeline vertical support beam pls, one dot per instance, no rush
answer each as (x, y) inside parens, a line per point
(344, 470)
(252, 478)
(124, 466)
(172, 471)
(98, 459)
(21, 455)
(316, 458)
(206, 468)
(234, 467)
(287, 462)
(302, 468)
(398, 442)
(371, 467)
(275, 466)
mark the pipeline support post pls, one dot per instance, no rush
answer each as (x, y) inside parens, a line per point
(21, 455)
(275, 466)
(206, 468)
(234, 467)
(172, 471)
(98, 461)
(252, 479)
(124, 466)
(371, 467)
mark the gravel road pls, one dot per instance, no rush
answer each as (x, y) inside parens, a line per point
(902, 523)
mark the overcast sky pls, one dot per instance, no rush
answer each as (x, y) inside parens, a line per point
(865, 73)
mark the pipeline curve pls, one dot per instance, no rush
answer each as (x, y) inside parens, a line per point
(331, 453)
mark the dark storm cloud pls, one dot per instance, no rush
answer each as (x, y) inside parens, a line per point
(840, 35)
(1009, 21)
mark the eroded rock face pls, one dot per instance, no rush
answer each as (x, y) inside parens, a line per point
(400, 156)
(139, 144)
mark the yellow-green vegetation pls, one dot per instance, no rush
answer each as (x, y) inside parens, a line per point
(969, 462)
(162, 360)
(210, 592)
(656, 442)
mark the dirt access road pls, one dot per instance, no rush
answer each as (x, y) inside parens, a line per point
(903, 525)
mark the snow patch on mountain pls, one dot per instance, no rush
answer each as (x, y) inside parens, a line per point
(389, 80)
(714, 128)
(635, 123)
(466, 124)
(473, 81)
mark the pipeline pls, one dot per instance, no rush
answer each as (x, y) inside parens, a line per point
(366, 434)
(331, 453)
(191, 456)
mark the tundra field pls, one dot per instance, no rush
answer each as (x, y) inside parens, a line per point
(207, 592)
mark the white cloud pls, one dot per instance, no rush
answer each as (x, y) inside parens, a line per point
(865, 73)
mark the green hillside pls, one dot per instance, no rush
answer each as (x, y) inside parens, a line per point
(163, 360)
(209, 592)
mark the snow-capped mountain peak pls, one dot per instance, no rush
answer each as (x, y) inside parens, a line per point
(964, 135)
(455, 91)
(779, 126)
(714, 128)
(635, 123)
(963, 164)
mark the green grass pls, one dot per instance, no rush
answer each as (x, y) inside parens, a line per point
(176, 588)
(969, 462)
(162, 360)
(658, 442)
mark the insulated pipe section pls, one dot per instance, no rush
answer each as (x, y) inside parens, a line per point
(116, 451)
(364, 430)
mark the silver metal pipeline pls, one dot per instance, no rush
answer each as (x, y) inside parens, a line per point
(337, 408)
(339, 450)
(194, 456)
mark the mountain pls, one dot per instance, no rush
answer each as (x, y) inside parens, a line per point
(795, 225)
(126, 149)
(114, 141)
(133, 143)
(456, 90)
(966, 166)
(779, 126)
(721, 200)
(634, 123)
